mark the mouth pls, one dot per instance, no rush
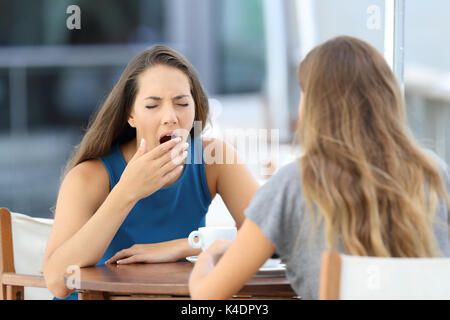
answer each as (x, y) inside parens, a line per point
(166, 137)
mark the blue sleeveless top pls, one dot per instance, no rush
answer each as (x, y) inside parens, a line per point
(170, 213)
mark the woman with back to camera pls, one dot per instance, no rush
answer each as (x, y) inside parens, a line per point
(137, 184)
(363, 187)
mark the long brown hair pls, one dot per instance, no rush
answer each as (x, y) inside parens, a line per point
(110, 124)
(374, 186)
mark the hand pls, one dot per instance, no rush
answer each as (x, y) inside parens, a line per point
(147, 172)
(215, 251)
(169, 251)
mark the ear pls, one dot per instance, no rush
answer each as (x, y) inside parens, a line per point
(131, 120)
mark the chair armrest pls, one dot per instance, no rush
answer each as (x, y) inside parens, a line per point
(23, 280)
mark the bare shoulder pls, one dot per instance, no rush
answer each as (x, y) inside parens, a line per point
(91, 172)
(210, 170)
(217, 155)
(212, 148)
(218, 152)
(211, 142)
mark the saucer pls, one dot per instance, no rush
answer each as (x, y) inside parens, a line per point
(280, 267)
(271, 263)
(277, 269)
(192, 259)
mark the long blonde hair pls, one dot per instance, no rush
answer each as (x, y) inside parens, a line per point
(362, 171)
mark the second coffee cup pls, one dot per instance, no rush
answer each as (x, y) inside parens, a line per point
(207, 235)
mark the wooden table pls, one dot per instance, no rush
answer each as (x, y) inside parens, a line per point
(164, 281)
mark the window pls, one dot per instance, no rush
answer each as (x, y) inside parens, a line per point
(242, 46)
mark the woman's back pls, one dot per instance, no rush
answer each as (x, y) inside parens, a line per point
(362, 168)
(279, 209)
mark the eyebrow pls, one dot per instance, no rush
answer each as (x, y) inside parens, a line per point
(174, 98)
(153, 98)
(180, 97)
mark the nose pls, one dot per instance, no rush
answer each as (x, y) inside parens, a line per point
(169, 117)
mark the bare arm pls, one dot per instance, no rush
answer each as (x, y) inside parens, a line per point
(219, 277)
(86, 220)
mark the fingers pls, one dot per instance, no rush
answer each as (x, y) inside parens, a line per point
(141, 150)
(132, 259)
(172, 174)
(128, 260)
(173, 155)
(120, 255)
(162, 149)
(173, 163)
(217, 249)
(220, 245)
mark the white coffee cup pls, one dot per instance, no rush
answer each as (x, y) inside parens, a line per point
(207, 235)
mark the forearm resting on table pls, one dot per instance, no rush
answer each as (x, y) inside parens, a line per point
(185, 249)
(86, 246)
(204, 265)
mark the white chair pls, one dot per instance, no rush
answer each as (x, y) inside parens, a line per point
(22, 244)
(370, 278)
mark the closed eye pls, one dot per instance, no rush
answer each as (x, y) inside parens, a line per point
(183, 105)
(151, 107)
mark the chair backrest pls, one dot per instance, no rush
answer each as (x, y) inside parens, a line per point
(22, 244)
(359, 278)
(6, 246)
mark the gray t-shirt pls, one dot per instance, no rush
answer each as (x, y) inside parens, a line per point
(278, 209)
